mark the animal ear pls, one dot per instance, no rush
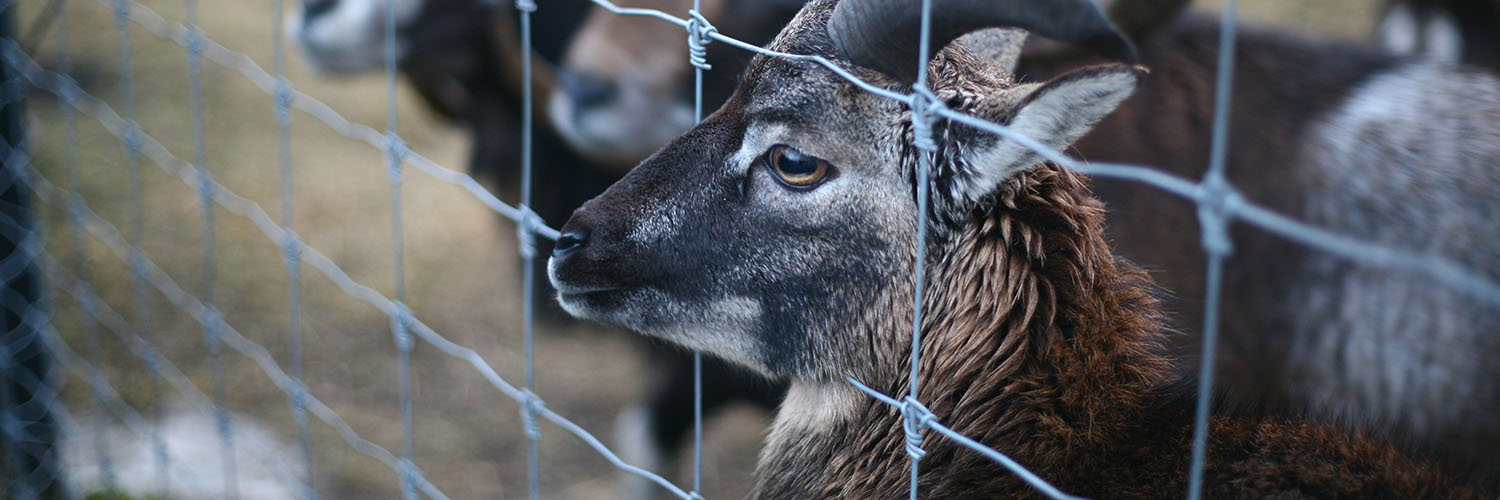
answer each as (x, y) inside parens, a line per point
(1001, 46)
(1054, 114)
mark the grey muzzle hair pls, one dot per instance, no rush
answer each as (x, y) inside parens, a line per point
(885, 34)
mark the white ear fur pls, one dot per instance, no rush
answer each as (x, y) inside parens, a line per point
(1055, 114)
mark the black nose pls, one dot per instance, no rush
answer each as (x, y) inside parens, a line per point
(314, 8)
(587, 91)
(569, 241)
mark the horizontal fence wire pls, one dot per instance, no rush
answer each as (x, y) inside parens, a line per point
(156, 363)
(1227, 204)
(113, 239)
(281, 89)
(1236, 207)
(138, 423)
(70, 93)
(1231, 206)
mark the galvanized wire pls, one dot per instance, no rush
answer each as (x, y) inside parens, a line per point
(239, 62)
(233, 203)
(394, 150)
(921, 120)
(526, 247)
(1218, 204)
(698, 29)
(154, 361)
(180, 298)
(1216, 244)
(210, 272)
(1225, 205)
(28, 388)
(89, 329)
(290, 255)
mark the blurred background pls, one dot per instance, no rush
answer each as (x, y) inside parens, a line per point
(461, 272)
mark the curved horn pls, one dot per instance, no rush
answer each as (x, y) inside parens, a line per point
(1139, 19)
(883, 34)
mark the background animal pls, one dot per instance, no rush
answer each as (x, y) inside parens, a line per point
(1389, 150)
(1466, 31)
(1355, 344)
(462, 57)
(780, 233)
(1332, 133)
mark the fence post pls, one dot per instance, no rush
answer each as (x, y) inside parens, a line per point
(28, 430)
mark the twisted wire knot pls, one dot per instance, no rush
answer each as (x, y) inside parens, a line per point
(409, 475)
(299, 395)
(205, 186)
(154, 363)
(76, 209)
(1215, 200)
(526, 228)
(291, 250)
(133, 138)
(915, 417)
(531, 405)
(924, 108)
(221, 419)
(211, 325)
(195, 43)
(283, 101)
(527, 6)
(395, 150)
(699, 29)
(400, 322)
(122, 13)
(138, 266)
(68, 89)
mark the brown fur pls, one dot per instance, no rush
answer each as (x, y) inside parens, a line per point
(1040, 343)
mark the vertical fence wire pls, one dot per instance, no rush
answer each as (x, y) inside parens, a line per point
(698, 28)
(526, 245)
(399, 323)
(211, 329)
(1213, 195)
(89, 328)
(922, 121)
(292, 261)
(137, 194)
(25, 396)
(1214, 220)
(80, 258)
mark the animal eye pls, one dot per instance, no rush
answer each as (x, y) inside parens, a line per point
(795, 169)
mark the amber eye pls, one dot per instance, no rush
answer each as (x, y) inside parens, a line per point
(796, 169)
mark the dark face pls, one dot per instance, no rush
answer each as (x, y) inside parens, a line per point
(780, 232)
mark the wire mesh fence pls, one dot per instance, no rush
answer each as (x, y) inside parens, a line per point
(34, 414)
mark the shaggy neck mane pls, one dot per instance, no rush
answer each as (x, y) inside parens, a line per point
(1036, 341)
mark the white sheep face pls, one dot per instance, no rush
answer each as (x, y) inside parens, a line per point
(348, 36)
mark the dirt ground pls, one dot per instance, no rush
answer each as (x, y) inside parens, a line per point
(460, 260)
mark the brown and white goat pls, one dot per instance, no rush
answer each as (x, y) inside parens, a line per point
(781, 234)
(1405, 152)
